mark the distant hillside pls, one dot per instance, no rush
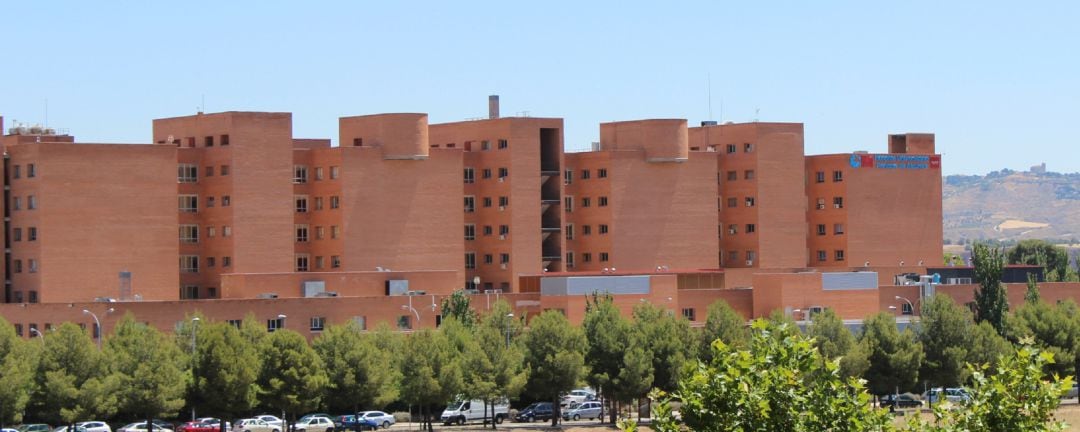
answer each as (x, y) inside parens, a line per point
(1011, 205)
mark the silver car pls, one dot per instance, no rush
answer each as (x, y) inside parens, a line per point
(588, 410)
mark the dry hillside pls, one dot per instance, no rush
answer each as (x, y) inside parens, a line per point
(1008, 205)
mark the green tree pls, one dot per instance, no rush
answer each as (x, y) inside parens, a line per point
(779, 382)
(556, 357)
(725, 324)
(226, 370)
(1054, 259)
(356, 368)
(431, 373)
(149, 369)
(72, 380)
(503, 359)
(834, 341)
(1032, 294)
(991, 303)
(1054, 328)
(292, 378)
(17, 363)
(608, 334)
(987, 346)
(945, 331)
(457, 306)
(668, 339)
(895, 357)
(1014, 396)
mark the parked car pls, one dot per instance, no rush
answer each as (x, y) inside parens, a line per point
(588, 410)
(1071, 393)
(537, 411)
(953, 395)
(35, 427)
(95, 426)
(379, 418)
(904, 400)
(310, 416)
(9, 430)
(316, 423)
(66, 429)
(579, 396)
(254, 425)
(473, 410)
(211, 420)
(141, 427)
(270, 420)
(345, 423)
(208, 427)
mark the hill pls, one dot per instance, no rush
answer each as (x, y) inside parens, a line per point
(1011, 205)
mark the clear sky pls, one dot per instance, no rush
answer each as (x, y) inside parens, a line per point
(998, 82)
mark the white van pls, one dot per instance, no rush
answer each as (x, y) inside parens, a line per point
(467, 411)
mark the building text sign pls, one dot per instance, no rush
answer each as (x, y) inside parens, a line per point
(895, 161)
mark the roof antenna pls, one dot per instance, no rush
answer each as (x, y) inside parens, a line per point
(708, 77)
(46, 113)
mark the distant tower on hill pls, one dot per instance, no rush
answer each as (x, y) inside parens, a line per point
(1039, 169)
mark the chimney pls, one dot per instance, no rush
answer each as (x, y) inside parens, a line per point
(493, 106)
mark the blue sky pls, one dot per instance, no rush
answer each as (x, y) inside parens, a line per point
(998, 82)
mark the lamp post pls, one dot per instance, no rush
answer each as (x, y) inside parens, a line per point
(97, 326)
(509, 320)
(38, 334)
(194, 361)
(414, 311)
(282, 317)
(909, 303)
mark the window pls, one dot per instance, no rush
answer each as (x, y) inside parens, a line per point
(732, 175)
(821, 204)
(209, 141)
(733, 229)
(906, 309)
(31, 234)
(335, 261)
(318, 173)
(335, 231)
(838, 202)
(17, 172)
(226, 231)
(504, 230)
(470, 204)
(750, 201)
(470, 260)
(586, 257)
(603, 229)
(470, 176)
(504, 258)
(189, 233)
(837, 176)
(603, 257)
(820, 229)
(568, 203)
(301, 232)
(603, 201)
(748, 148)
(404, 322)
(189, 292)
(210, 261)
(487, 230)
(731, 148)
(187, 203)
(317, 323)
(31, 171)
(586, 202)
(568, 177)
(839, 255)
(16, 203)
(226, 200)
(187, 173)
(209, 202)
(748, 174)
(18, 266)
(732, 202)
(504, 173)
(470, 232)
(225, 140)
(689, 314)
(602, 173)
(301, 203)
(733, 256)
(319, 262)
(358, 142)
(486, 173)
(235, 322)
(226, 261)
(302, 262)
(334, 172)
(299, 174)
(189, 263)
(586, 229)
(838, 229)
(751, 256)
(487, 202)
(274, 324)
(335, 202)
(821, 256)
(569, 231)
(584, 174)
(820, 177)
(16, 234)
(209, 171)
(319, 232)
(504, 201)
(489, 258)
(18, 330)
(503, 144)
(569, 259)
(485, 145)
(750, 228)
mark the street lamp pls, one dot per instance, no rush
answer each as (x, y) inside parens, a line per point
(281, 317)
(410, 308)
(509, 320)
(194, 361)
(34, 331)
(909, 303)
(97, 324)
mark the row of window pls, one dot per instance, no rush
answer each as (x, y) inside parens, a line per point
(586, 257)
(208, 141)
(734, 175)
(838, 229)
(32, 297)
(733, 229)
(300, 173)
(734, 202)
(31, 171)
(31, 234)
(189, 173)
(733, 257)
(838, 202)
(302, 203)
(470, 231)
(31, 203)
(838, 255)
(486, 173)
(470, 259)
(470, 203)
(302, 231)
(585, 230)
(568, 175)
(837, 176)
(190, 203)
(304, 262)
(487, 286)
(568, 202)
(192, 292)
(31, 265)
(189, 233)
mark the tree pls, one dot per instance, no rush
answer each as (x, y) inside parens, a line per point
(431, 373)
(779, 382)
(607, 334)
(834, 341)
(725, 324)
(457, 306)
(895, 357)
(1014, 396)
(991, 303)
(1041, 253)
(668, 339)
(72, 380)
(987, 346)
(149, 370)
(292, 378)
(356, 368)
(504, 356)
(17, 364)
(1032, 294)
(945, 331)
(1054, 328)
(226, 370)
(556, 357)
